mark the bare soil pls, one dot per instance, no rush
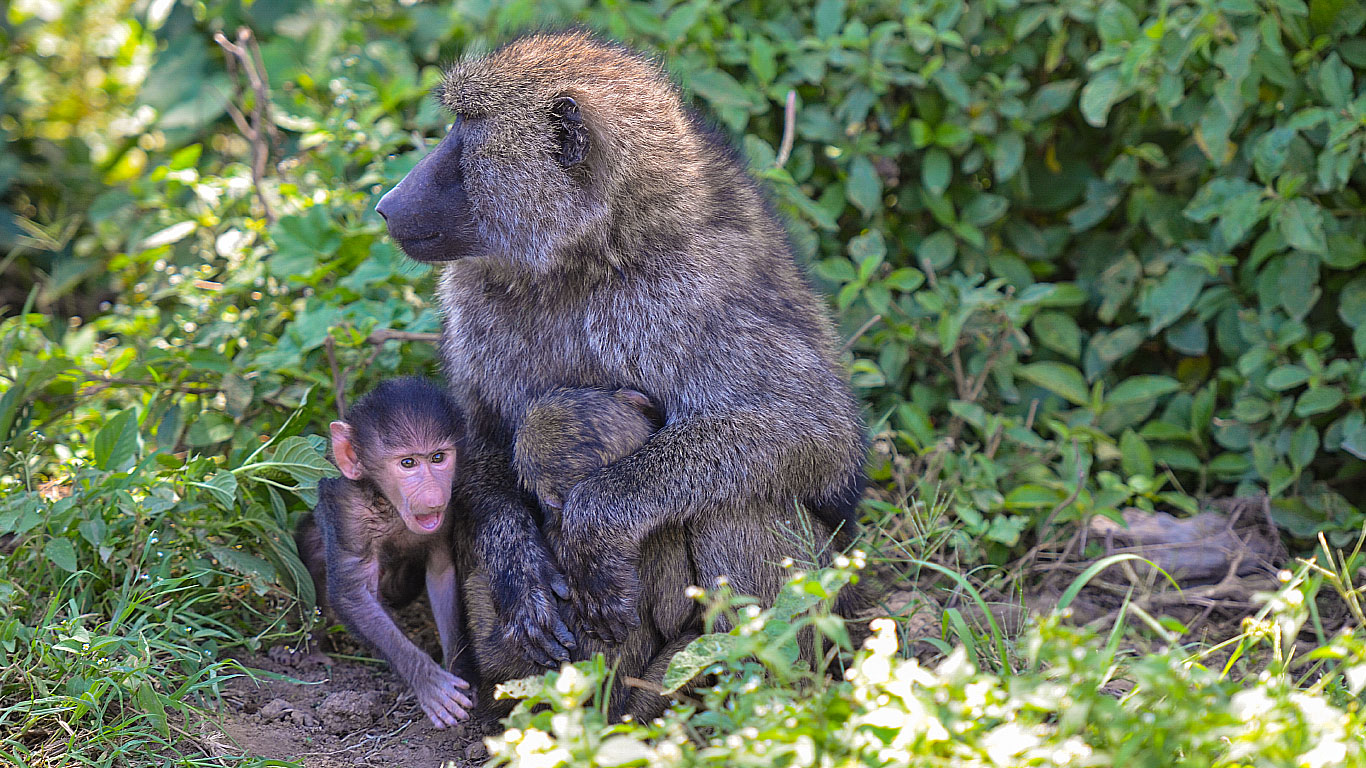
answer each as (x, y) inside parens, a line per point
(325, 711)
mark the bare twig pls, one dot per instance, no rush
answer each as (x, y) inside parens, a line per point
(789, 130)
(656, 688)
(862, 329)
(191, 389)
(245, 54)
(385, 334)
(338, 378)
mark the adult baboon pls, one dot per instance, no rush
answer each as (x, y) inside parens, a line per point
(598, 234)
(568, 435)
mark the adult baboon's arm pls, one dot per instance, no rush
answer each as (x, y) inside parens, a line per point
(523, 577)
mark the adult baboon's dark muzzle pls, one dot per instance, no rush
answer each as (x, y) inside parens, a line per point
(428, 212)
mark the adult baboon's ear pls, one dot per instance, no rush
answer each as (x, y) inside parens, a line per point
(570, 131)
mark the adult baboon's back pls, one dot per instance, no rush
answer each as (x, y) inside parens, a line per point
(600, 236)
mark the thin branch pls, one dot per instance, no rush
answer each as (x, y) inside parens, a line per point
(246, 55)
(186, 388)
(862, 329)
(338, 379)
(789, 130)
(385, 334)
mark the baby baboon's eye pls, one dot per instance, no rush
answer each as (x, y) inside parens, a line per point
(438, 457)
(408, 463)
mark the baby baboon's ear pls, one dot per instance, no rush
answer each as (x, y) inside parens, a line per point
(641, 402)
(570, 131)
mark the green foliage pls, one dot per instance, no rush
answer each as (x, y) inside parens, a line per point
(1059, 708)
(1088, 254)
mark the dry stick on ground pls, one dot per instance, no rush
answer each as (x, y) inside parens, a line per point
(789, 130)
(247, 55)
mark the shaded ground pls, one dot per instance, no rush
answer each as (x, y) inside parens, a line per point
(335, 711)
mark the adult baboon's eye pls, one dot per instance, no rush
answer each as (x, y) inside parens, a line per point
(408, 463)
(438, 457)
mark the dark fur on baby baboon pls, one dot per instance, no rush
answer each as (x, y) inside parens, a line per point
(567, 436)
(382, 531)
(596, 233)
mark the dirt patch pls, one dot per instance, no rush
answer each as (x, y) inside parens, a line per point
(327, 712)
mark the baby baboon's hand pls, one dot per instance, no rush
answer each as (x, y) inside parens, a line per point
(442, 696)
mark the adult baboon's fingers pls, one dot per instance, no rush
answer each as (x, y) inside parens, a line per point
(565, 636)
(559, 585)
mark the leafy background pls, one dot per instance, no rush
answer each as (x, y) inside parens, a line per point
(1087, 254)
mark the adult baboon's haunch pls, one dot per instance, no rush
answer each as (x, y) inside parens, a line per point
(597, 234)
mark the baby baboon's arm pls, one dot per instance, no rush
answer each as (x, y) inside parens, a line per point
(353, 584)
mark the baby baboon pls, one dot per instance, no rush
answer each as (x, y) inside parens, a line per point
(597, 234)
(383, 530)
(567, 436)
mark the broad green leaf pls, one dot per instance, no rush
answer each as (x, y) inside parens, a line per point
(61, 553)
(1301, 222)
(697, 656)
(1287, 377)
(1059, 332)
(1139, 388)
(1318, 400)
(1344, 252)
(1352, 303)
(938, 250)
(1052, 98)
(985, 209)
(936, 171)
(1167, 301)
(1304, 444)
(1335, 81)
(1007, 155)
(1100, 93)
(1058, 378)
(1135, 456)
(863, 186)
(116, 444)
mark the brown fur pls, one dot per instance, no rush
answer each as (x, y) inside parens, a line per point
(653, 264)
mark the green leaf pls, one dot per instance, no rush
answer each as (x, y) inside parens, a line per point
(697, 656)
(863, 186)
(829, 17)
(1299, 284)
(1051, 99)
(1135, 456)
(1304, 444)
(721, 90)
(1286, 377)
(61, 553)
(1318, 400)
(1301, 223)
(1101, 92)
(116, 444)
(1007, 155)
(1031, 496)
(222, 488)
(1352, 302)
(1058, 378)
(1136, 389)
(1344, 252)
(936, 171)
(1335, 81)
(1059, 332)
(985, 209)
(938, 250)
(1167, 301)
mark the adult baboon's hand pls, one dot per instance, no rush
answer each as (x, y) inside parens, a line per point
(602, 566)
(531, 621)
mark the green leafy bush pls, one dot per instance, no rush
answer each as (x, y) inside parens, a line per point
(1075, 702)
(1087, 254)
